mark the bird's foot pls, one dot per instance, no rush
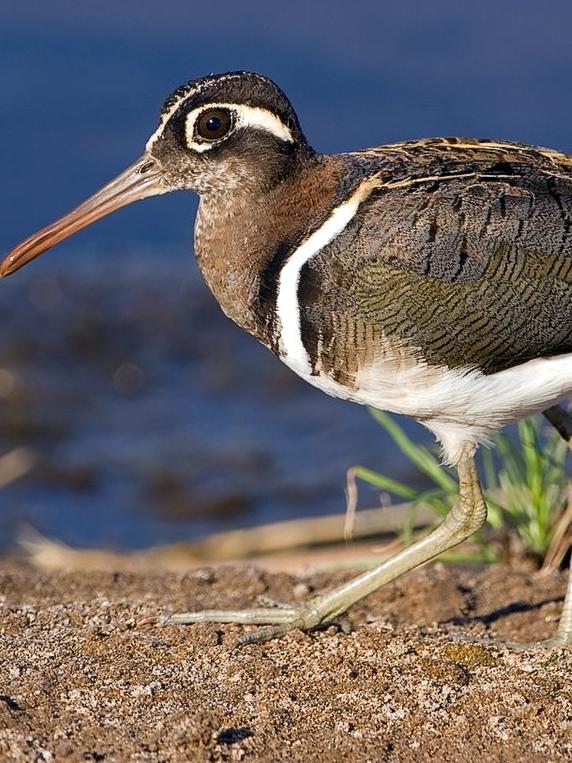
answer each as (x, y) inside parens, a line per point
(278, 619)
(559, 641)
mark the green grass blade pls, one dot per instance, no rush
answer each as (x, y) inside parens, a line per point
(525, 483)
(385, 483)
(425, 461)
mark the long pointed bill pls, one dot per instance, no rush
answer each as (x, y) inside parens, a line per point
(140, 180)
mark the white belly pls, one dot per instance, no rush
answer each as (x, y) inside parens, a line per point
(462, 408)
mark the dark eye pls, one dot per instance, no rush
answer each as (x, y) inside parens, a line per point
(214, 124)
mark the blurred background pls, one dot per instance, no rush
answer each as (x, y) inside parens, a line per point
(146, 416)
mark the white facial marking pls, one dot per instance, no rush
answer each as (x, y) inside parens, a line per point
(287, 306)
(162, 122)
(244, 116)
(192, 89)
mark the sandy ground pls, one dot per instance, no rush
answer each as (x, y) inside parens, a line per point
(81, 681)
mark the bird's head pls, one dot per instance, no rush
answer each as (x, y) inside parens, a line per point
(221, 134)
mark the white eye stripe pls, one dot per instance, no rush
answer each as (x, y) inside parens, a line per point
(191, 89)
(244, 116)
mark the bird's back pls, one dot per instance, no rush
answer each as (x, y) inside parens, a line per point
(462, 255)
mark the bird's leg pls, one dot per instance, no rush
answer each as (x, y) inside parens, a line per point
(563, 636)
(564, 633)
(561, 421)
(467, 516)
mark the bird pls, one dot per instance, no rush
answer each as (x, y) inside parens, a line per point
(430, 278)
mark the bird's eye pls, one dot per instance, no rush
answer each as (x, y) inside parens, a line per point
(214, 124)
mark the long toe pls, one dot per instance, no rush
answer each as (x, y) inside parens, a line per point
(258, 616)
(278, 619)
(269, 632)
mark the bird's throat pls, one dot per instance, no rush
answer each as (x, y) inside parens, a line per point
(242, 243)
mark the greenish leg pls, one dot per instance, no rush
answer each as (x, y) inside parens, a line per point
(467, 516)
(561, 420)
(564, 634)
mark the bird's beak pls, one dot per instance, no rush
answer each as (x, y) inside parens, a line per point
(140, 180)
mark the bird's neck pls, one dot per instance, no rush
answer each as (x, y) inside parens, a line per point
(242, 238)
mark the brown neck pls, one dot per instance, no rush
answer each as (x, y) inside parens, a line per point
(242, 238)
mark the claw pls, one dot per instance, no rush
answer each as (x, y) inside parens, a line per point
(555, 642)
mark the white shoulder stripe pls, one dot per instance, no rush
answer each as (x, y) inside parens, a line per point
(287, 306)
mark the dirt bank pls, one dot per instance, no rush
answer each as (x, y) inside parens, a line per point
(80, 681)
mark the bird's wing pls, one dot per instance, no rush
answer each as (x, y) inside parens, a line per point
(466, 261)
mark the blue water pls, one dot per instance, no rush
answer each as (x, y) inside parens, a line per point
(151, 416)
